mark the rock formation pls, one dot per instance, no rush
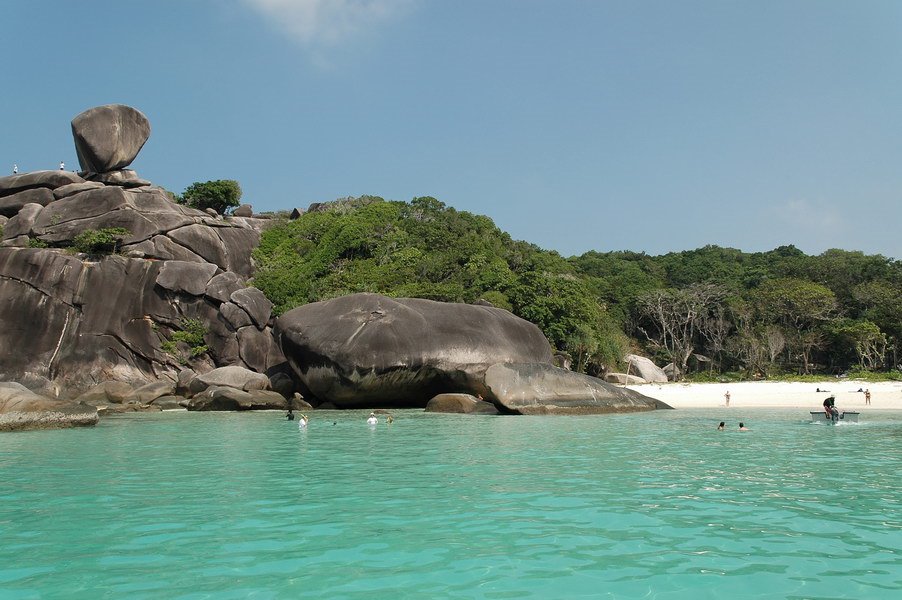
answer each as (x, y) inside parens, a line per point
(365, 349)
(532, 389)
(20, 408)
(74, 320)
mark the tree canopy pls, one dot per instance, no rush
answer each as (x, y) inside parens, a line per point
(221, 195)
(714, 309)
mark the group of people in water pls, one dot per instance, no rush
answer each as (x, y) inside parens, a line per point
(304, 420)
(742, 427)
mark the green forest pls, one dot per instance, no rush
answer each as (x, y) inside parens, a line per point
(707, 313)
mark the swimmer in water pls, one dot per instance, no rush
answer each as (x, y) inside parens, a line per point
(290, 415)
(302, 422)
(742, 427)
(720, 427)
(389, 419)
(372, 420)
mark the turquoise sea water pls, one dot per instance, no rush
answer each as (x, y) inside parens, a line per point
(652, 505)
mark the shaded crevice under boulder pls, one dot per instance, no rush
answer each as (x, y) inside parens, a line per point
(460, 404)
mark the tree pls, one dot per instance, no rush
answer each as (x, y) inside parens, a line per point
(800, 307)
(220, 195)
(676, 317)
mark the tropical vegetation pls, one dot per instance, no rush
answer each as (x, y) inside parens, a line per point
(709, 311)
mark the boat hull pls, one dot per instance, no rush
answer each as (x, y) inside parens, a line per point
(819, 416)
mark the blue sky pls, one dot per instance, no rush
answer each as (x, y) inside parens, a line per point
(652, 126)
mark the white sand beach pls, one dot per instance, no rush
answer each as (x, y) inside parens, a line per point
(775, 394)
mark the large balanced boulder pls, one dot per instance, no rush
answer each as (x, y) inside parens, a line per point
(366, 349)
(20, 408)
(545, 389)
(460, 404)
(109, 137)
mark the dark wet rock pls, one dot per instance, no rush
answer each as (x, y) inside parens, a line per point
(245, 210)
(189, 277)
(36, 179)
(460, 404)
(295, 214)
(366, 349)
(21, 409)
(255, 304)
(283, 384)
(531, 389)
(11, 205)
(109, 137)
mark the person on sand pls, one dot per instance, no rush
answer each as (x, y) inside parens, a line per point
(867, 396)
(742, 427)
(720, 427)
(727, 397)
(372, 420)
(830, 408)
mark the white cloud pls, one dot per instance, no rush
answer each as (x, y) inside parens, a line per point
(329, 23)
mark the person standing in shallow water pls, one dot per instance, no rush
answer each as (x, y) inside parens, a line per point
(721, 426)
(372, 420)
(290, 415)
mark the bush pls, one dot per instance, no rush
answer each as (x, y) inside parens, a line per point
(99, 241)
(220, 195)
(192, 334)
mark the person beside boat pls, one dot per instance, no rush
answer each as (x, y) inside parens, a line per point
(830, 408)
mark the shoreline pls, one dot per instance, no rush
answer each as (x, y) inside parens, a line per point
(885, 395)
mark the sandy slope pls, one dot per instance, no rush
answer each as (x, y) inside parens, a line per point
(884, 395)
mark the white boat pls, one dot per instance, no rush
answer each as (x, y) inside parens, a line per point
(850, 416)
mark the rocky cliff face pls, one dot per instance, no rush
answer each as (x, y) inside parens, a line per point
(70, 320)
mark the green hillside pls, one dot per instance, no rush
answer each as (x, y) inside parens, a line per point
(709, 310)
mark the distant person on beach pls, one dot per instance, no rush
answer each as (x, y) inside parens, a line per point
(727, 397)
(290, 415)
(720, 427)
(62, 166)
(372, 420)
(830, 408)
(15, 169)
(867, 396)
(742, 427)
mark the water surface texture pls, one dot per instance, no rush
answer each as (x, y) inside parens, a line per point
(652, 505)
